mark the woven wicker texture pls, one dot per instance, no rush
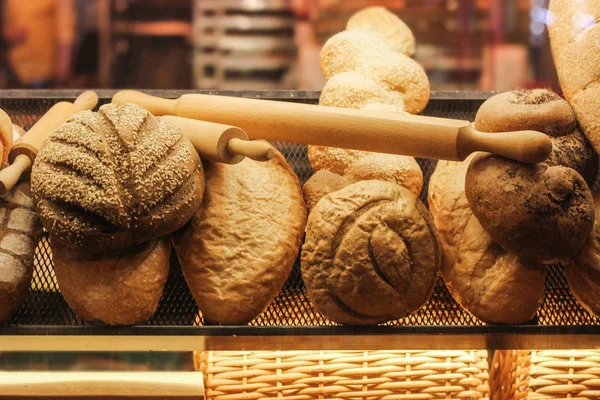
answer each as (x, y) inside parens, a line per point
(45, 305)
(307, 375)
(549, 374)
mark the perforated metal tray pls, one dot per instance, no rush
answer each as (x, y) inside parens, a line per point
(291, 321)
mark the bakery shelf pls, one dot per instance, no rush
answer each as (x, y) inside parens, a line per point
(45, 322)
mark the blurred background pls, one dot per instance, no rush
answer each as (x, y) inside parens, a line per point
(259, 44)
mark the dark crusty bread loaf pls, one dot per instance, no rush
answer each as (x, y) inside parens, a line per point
(371, 253)
(116, 178)
(20, 231)
(239, 248)
(123, 288)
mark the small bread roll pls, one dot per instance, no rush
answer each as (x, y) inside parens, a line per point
(542, 213)
(355, 90)
(491, 283)
(238, 250)
(583, 273)
(404, 171)
(366, 54)
(20, 231)
(320, 185)
(371, 254)
(388, 26)
(118, 289)
(6, 136)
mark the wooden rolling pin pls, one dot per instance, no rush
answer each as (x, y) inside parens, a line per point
(102, 384)
(222, 143)
(23, 153)
(405, 134)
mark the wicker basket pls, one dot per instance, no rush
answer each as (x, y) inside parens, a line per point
(551, 374)
(306, 375)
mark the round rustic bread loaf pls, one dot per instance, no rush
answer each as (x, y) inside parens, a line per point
(321, 184)
(392, 30)
(116, 178)
(20, 231)
(544, 111)
(493, 284)
(239, 248)
(583, 272)
(542, 213)
(370, 254)
(123, 288)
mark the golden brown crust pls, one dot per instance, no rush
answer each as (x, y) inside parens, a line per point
(574, 31)
(388, 26)
(320, 185)
(119, 289)
(367, 54)
(238, 250)
(20, 231)
(583, 273)
(6, 136)
(542, 213)
(488, 281)
(116, 178)
(371, 254)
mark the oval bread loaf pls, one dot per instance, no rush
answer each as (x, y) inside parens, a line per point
(493, 284)
(112, 179)
(371, 254)
(20, 231)
(123, 288)
(238, 250)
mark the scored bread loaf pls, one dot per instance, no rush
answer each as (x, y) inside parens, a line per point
(122, 288)
(116, 178)
(491, 283)
(239, 248)
(574, 28)
(20, 231)
(371, 253)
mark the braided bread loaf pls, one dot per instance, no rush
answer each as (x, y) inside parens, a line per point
(367, 67)
(574, 28)
(116, 178)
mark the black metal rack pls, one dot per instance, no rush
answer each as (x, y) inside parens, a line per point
(45, 322)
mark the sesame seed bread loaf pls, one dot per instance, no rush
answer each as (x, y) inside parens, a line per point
(121, 288)
(238, 250)
(116, 178)
(371, 254)
(20, 231)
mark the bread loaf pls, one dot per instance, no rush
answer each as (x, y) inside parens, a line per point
(320, 185)
(238, 250)
(542, 212)
(116, 178)
(493, 284)
(20, 231)
(386, 25)
(370, 254)
(6, 136)
(123, 288)
(574, 30)
(583, 272)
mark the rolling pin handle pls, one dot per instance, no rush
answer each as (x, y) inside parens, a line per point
(254, 150)
(86, 101)
(10, 175)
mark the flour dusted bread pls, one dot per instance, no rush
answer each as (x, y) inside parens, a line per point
(543, 212)
(574, 29)
(121, 288)
(371, 253)
(494, 284)
(583, 272)
(116, 178)
(386, 25)
(238, 250)
(20, 231)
